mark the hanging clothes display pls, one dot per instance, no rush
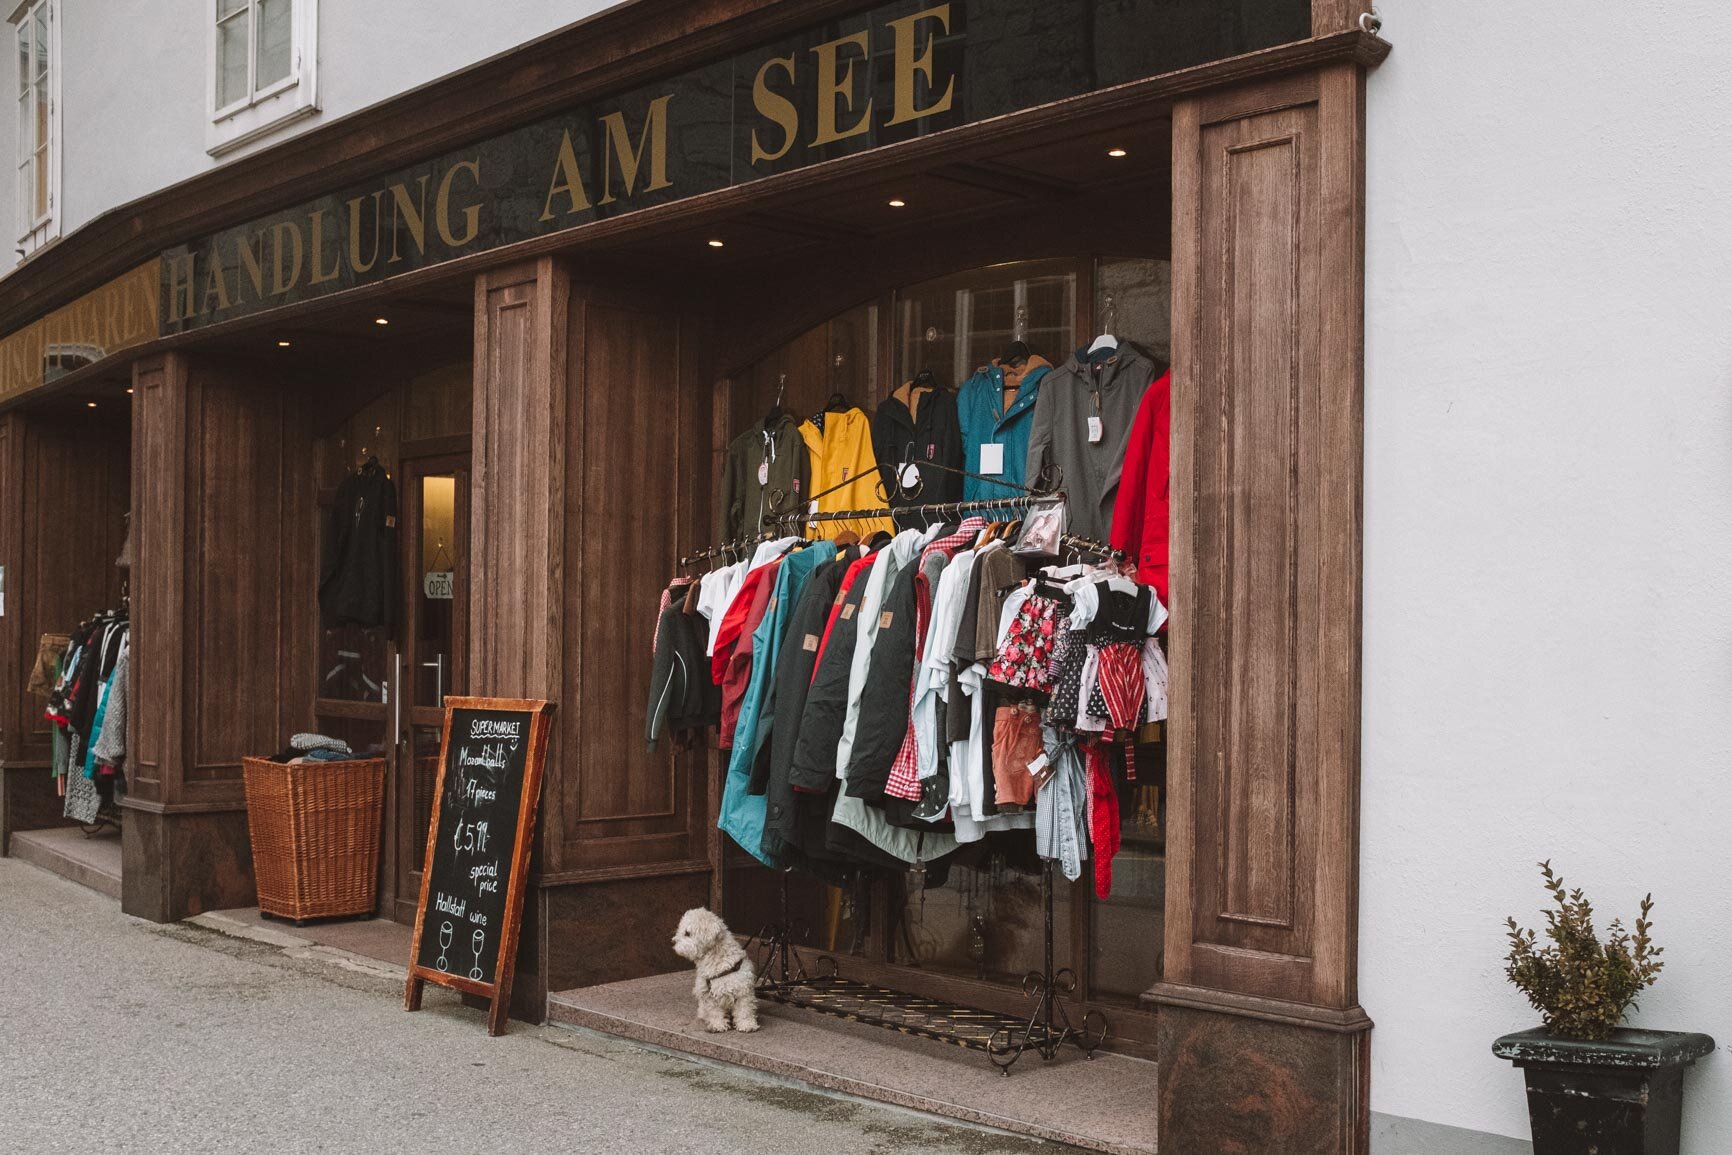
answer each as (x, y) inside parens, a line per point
(918, 425)
(767, 471)
(358, 582)
(886, 701)
(844, 468)
(1082, 425)
(743, 812)
(88, 708)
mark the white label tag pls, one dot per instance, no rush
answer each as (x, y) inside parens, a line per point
(1096, 430)
(763, 473)
(991, 458)
(910, 475)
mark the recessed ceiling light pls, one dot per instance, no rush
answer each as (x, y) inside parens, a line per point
(1117, 152)
(376, 321)
(129, 389)
(90, 404)
(282, 344)
(715, 244)
(898, 203)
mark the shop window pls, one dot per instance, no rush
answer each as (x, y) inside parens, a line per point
(264, 57)
(972, 926)
(954, 325)
(38, 84)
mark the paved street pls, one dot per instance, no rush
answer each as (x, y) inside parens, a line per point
(118, 1035)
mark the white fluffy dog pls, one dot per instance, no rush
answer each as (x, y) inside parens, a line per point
(726, 977)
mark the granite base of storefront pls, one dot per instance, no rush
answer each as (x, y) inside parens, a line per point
(90, 860)
(1107, 1103)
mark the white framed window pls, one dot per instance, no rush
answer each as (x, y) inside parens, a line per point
(263, 68)
(36, 34)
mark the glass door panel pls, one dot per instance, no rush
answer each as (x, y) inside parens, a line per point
(436, 587)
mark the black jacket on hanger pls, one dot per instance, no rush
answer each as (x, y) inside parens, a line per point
(934, 434)
(358, 560)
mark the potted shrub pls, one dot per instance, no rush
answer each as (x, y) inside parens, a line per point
(1594, 1086)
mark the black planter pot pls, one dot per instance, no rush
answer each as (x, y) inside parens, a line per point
(1621, 1096)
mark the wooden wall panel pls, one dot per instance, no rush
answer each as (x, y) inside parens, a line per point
(66, 506)
(1329, 16)
(158, 609)
(439, 403)
(638, 436)
(517, 483)
(13, 668)
(239, 553)
(224, 585)
(1266, 580)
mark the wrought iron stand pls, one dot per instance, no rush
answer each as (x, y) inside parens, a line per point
(783, 978)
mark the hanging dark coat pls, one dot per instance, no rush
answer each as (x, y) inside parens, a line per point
(358, 582)
(902, 437)
(887, 694)
(767, 472)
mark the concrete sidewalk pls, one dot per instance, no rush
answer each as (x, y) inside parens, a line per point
(118, 1035)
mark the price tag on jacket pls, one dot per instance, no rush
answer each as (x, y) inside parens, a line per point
(763, 473)
(991, 458)
(910, 475)
(1096, 430)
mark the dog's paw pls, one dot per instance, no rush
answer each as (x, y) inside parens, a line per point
(746, 1027)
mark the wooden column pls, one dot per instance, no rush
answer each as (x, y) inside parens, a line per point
(517, 482)
(1263, 1047)
(222, 599)
(590, 470)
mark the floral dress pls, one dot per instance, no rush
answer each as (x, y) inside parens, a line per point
(1024, 660)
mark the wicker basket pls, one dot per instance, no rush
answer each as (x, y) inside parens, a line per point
(315, 831)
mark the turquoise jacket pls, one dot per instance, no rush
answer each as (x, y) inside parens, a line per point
(979, 404)
(742, 816)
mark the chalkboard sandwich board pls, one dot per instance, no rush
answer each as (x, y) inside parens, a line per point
(472, 885)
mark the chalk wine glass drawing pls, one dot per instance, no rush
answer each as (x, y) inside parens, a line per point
(478, 940)
(444, 945)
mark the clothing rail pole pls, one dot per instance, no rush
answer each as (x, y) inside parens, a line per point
(1050, 990)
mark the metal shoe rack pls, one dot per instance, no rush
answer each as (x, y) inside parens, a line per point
(783, 977)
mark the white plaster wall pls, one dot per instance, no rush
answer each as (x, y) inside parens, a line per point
(133, 100)
(1548, 508)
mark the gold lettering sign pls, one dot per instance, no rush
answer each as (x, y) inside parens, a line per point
(119, 315)
(869, 79)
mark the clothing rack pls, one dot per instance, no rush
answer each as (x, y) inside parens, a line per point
(783, 978)
(1088, 545)
(956, 507)
(727, 549)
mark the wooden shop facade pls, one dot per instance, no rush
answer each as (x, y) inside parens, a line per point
(544, 294)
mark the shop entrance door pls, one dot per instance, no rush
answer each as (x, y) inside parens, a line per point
(435, 540)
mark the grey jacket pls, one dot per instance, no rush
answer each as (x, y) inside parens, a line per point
(1109, 385)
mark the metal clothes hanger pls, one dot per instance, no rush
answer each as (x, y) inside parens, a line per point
(1109, 323)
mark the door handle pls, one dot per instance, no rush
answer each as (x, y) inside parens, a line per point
(437, 665)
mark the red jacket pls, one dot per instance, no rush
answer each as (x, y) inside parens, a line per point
(1140, 511)
(732, 662)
